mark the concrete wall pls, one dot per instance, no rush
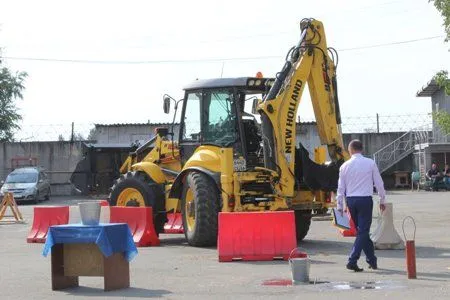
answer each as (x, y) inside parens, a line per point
(309, 137)
(128, 133)
(372, 141)
(307, 134)
(58, 158)
(375, 141)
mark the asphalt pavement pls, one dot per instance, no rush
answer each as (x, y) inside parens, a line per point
(175, 270)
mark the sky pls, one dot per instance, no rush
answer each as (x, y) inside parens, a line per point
(125, 55)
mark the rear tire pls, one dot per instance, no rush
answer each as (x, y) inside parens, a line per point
(205, 210)
(302, 223)
(149, 194)
(47, 196)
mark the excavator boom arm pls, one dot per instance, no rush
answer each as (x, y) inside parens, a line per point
(308, 62)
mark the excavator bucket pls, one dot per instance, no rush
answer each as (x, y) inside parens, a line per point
(256, 236)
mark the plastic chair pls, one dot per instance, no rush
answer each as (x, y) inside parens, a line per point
(415, 179)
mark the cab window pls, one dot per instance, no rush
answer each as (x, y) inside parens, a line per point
(219, 117)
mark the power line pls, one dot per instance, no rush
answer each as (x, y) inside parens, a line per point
(393, 43)
(140, 62)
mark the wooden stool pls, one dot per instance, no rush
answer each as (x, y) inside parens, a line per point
(72, 260)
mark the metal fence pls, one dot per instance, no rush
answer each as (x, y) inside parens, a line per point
(356, 124)
(384, 123)
(54, 132)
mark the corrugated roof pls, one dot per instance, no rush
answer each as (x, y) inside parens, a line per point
(105, 145)
(429, 89)
(133, 124)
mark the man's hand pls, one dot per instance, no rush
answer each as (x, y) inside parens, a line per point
(382, 207)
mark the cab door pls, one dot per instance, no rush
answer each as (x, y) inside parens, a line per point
(190, 127)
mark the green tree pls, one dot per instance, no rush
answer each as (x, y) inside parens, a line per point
(11, 87)
(442, 80)
(443, 6)
(442, 118)
(79, 137)
(92, 136)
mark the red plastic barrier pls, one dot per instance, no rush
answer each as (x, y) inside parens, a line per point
(256, 235)
(174, 223)
(43, 218)
(349, 232)
(140, 221)
(104, 203)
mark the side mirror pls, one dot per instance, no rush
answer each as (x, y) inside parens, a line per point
(255, 106)
(166, 105)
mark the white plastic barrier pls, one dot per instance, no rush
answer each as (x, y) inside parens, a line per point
(385, 236)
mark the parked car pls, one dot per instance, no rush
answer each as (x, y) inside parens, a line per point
(28, 184)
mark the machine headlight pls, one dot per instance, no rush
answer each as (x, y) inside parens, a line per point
(251, 82)
(269, 83)
(258, 82)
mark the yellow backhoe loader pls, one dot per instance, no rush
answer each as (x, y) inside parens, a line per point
(227, 159)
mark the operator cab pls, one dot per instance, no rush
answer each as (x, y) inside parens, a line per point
(219, 112)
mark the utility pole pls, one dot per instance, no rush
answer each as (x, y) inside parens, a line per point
(72, 135)
(378, 123)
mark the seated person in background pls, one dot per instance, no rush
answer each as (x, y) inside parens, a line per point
(446, 174)
(435, 176)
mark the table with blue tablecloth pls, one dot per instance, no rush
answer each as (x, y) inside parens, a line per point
(81, 250)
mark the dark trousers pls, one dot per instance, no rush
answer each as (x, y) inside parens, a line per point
(435, 182)
(361, 211)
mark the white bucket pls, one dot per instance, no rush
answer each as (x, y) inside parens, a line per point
(90, 212)
(299, 268)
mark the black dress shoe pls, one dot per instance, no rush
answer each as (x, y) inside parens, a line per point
(373, 266)
(354, 268)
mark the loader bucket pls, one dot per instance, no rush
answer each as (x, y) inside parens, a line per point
(256, 236)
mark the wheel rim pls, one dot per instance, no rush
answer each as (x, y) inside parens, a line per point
(189, 210)
(130, 197)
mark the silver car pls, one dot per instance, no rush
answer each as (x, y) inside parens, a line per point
(28, 184)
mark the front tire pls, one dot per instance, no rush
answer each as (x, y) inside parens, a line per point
(302, 223)
(36, 198)
(138, 189)
(200, 208)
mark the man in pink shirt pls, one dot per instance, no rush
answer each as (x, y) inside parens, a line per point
(357, 177)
